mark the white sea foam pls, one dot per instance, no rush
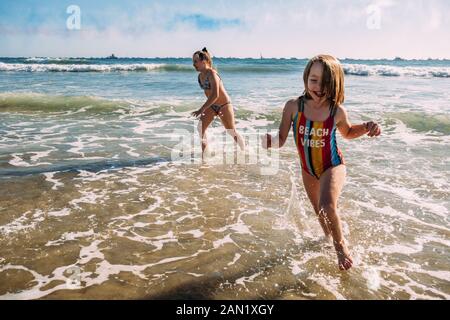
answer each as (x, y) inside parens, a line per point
(395, 71)
(18, 161)
(35, 67)
(70, 236)
(389, 211)
(77, 147)
(49, 176)
(298, 263)
(329, 283)
(143, 127)
(90, 197)
(243, 280)
(130, 150)
(59, 213)
(239, 227)
(157, 242)
(195, 233)
(220, 242)
(409, 284)
(410, 196)
(149, 211)
(41, 154)
(23, 223)
(237, 256)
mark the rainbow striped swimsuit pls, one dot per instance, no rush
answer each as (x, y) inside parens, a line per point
(316, 142)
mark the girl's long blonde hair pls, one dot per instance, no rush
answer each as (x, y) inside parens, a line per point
(332, 78)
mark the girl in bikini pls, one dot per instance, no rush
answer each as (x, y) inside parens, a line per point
(218, 102)
(314, 117)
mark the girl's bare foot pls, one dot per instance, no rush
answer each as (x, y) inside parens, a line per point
(345, 262)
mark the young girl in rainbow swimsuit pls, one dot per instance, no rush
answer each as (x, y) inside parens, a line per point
(314, 117)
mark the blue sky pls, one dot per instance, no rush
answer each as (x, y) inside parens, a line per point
(237, 28)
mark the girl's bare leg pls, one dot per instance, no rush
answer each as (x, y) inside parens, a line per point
(331, 183)
(226, 115)
(312, 187)
(205, 120)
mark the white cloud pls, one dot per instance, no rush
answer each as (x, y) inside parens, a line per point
(409, 29)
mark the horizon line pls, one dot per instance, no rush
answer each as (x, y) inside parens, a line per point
(397, 58)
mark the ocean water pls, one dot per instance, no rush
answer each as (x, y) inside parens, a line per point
(97, 200)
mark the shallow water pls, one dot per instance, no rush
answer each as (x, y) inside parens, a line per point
(94, 205)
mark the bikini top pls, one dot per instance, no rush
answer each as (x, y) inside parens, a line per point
(206, 85)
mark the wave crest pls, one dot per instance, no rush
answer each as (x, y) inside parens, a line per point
(393, 71)
(53, 67)
(29, 102)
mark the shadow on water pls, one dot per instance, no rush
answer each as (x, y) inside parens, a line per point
(95, 167)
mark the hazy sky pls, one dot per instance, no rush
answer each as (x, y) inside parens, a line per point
(229, 28)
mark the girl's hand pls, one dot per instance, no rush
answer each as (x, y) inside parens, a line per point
(266, 141)
(197, 113)
(373, 129)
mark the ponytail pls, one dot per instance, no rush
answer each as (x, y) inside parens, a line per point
(204, 56)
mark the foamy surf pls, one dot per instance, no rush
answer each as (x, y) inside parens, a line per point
(395, 71)
(95, 206)
(19, 67)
